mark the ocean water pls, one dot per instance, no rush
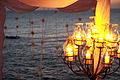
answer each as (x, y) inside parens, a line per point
(23, 61)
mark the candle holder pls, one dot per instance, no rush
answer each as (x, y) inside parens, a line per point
(93, 53)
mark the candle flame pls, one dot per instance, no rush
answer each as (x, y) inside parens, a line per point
(109, 37)
(107, 53)
(89, 36)
(78, 36)
(88, 55)
(69, 48)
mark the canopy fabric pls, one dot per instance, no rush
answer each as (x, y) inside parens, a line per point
(102, 18)
(2, 21)
(102, 14)
(49, 3)
(1, 1)
(18, 6)
(81, 5)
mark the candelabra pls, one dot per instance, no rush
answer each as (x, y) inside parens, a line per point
(91, 53)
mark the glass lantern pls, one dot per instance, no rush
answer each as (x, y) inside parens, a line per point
(114, 31)
(112, 36)
(79, 34)
(89, 34)
(68, 49)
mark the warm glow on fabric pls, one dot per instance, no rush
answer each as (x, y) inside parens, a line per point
(49, 3)
(102, 14)
(80, 5)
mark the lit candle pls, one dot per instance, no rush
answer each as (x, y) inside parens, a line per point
(109, 37)
(89, 40)
(78, 42)
(70, 59)
(101, 39)
(69, 53)
(89, 36)
(88, 55)
(69, 50)
(88, 61)
(88, 58)
(78, 36)
(89, 43)
(118, 51)
(118, 55)
(107, 58)
(75, 50)
(94, 31)
(108, 44)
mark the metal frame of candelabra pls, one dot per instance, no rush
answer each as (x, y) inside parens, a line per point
(80, 49)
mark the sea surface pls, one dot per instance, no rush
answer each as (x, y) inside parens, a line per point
(24, 62)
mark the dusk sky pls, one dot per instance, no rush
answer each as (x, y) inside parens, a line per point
(115, 3)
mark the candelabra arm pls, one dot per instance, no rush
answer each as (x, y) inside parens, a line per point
(105, 73)
(113, 70)
(81, 62)
(109, 71)
(63, 58)
(88, 70)
(80, 74)
(78, 65)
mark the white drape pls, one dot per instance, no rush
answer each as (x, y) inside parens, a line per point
(102, 14)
